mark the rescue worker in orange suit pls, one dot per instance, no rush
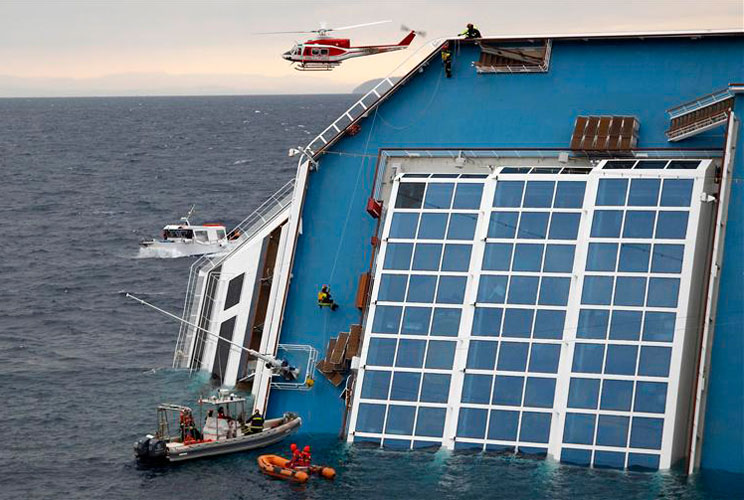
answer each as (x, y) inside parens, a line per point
(305, 456)
(447, 60)
(471, 32)
(296, 456)
(325, 299)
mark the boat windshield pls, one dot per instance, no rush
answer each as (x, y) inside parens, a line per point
(201, 236)
(173, 234)
(220, 234)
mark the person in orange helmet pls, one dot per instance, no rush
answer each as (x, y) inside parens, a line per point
(305, 456)
(296, 456)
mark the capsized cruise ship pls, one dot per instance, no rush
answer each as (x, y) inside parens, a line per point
(540, 255)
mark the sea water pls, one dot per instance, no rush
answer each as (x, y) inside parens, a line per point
(82, 368)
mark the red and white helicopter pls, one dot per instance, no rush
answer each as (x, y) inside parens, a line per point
(325, 52)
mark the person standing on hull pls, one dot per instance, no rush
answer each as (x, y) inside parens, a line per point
(325, 299)
(256, 423)
(447, 59)
(471, 32)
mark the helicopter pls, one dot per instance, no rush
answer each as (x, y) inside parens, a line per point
(325, 52)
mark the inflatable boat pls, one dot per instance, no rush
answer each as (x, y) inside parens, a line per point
(276, 466)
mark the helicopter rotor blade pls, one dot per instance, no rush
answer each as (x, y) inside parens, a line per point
(405, 28)
(358, 25)
(283, 32)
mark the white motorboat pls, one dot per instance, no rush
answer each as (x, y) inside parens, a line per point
(185, 239)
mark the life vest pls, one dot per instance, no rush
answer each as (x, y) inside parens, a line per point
(257, 423)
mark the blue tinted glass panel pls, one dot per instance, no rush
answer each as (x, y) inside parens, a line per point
(421, 288)
(497, 256)
(644, 192)
(634, 258)
(616, 395)
(503, 425)
(508, 194)
(626, 325)
(445, 322)
(410, 353)
(639, 224)
(410, 195)
(404, 225)
(676, 193)
(612, 430)
(440, 355)
(533, 225)
(646, 433)
(612, 192)
(535, 427)
(539, 194)
(654, 361)
(370, 418)
(539, 392)
(609, 459)
(487, 321)
(564, 226)
(544, 358)
(643, 462)
(597, 290)
(621, 359)
(559, 258)
(593, 324)
(659, 327)
(387, 319)
(482, 354)
(430, 422)
(502, 224)
(583, 393)
(468, 196)
(405, 386)
(607, 223)
(392, 287)
(451, 289)
(650, 397)
(376, 385)
(426, 257)
(507, 390)
(569, 194)
(549, 324)
(588, 358)
(601, 257)
(527, 257)
(576, 457)
(630, 291)
(400, 420)
(398, 256)
(432, 226)
(381, 352)
(462, 226)
(663, 292)
(512, 356)
(435, 388)
(456, 257)
(472, 423)
(554, 291)
(438, 195)
(523, 289)
(492, 289)
(396, 444)
(672, 225)
(667, 259)
(579, 428)
(416, 320)
(476, 389)
(518, 323)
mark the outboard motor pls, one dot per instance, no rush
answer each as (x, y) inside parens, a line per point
(150, 449)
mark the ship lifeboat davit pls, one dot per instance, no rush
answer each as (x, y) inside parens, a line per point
(276, 466)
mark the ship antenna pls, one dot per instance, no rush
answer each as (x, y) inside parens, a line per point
(188, 215)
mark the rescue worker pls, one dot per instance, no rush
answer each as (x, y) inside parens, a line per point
(325, 299)
(305, 456)
(296, 456)
(471, 32)
(447, 60)
(256, 422)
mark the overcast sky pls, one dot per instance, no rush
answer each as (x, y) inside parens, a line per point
(207, 46)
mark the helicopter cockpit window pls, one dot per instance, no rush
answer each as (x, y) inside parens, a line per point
(323, 52)
(316, 52)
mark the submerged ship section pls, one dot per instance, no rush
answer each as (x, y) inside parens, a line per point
(535, 251)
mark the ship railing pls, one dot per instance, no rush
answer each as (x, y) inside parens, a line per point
(262, 216)
(700, 102)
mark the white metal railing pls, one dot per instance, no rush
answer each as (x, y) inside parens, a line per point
(701, 102)
(247, 228)
(518, 68)
(697, 127)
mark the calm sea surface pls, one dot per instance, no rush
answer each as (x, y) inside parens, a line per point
(82, 368)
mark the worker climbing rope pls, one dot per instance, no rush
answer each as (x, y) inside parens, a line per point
(447, 59)
(471, 32)
(325, 299)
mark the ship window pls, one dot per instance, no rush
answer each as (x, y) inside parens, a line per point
(462, 226)
(601, 257)
(634, 258)
(643, 461)
(592, 324)
(427, 256)
(523, 290)
(497, 256)
(539, 194)
(583, 393)
(376, 385)
(630, 291)
(513, 356)
(569, 194)
(476, 389)
(646, 433)
(597, 290)
(451, 290)
(410, 195)
(544, 358)
(663, 292)
(639, 224)
(650, 397)
(535, 427)
(576, 457)
(432, 226)
(611, 192)
(421, 288)
(554, 291)
(482, 354)
(644, 192)
(405, 386)
(564, 226)
(446, 322)
(539, 392)
(435, 388)
(654, 361)
(579, 428)
(398, 256)
(517, 322)
(201, 236)
(676, 193)
(683, 164)
(549, 324)
(667, 259)
(533, 225)
(370, 418)
(659, 327)
(527, 257)
(416, 321)
(588, 358)
(672, 225)
(609, 459)
(400, 420)
(392, 287)
(508, 194)
(559, 258)
(233, 291)
(616, 395)
(607, 223)
(619, 164)
(381, 352)
(621, 359)
(456, 257)
(441, 355)
(472, 423)
(430, 422)
(626, 325)
(387, 319)
(612, 430)
(468, 196)
(507, 390)
(503, 425)
(404, 225)
(410, 353)
(487, 321)
(438, 196)
(651, 164)
(502, 224)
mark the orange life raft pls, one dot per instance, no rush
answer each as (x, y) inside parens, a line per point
(276, 466)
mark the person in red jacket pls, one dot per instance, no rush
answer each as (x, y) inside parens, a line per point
(296, 456)
(305, 456)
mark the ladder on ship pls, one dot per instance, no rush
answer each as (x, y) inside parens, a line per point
(701, 114)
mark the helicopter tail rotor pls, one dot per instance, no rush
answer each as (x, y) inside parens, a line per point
(405, 28)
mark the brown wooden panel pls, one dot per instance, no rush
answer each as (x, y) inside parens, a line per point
(337, 356)
(591, 126)
(331, 345)
(355, 338)
(362, 291)
(603, 128)
(616, 126)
